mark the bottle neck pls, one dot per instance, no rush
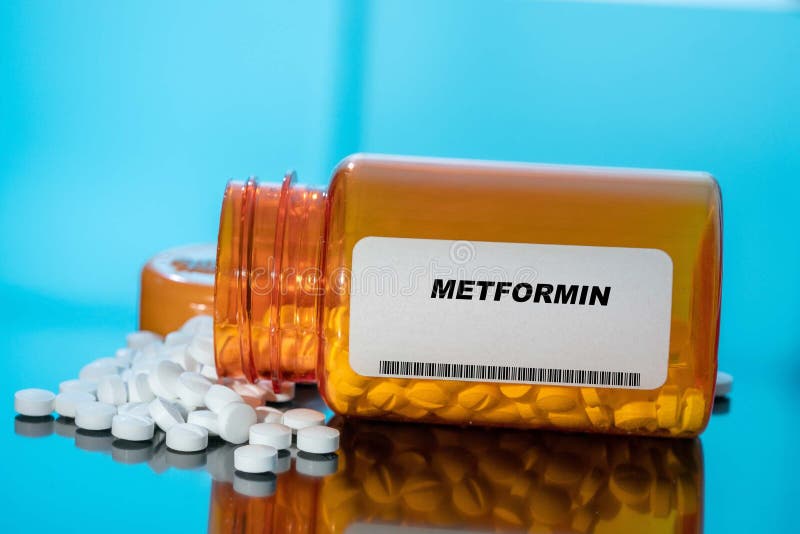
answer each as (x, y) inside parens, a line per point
(268, 288)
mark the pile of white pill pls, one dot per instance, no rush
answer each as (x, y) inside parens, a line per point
(171, 384)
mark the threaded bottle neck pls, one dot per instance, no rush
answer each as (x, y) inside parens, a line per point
(268, 289)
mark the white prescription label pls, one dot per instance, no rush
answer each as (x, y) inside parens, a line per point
(510, 312)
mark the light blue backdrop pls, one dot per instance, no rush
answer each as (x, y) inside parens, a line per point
(121, 122)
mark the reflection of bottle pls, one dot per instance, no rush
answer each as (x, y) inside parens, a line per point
(468, 292)
(428, 477)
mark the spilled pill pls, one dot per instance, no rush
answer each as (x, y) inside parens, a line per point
(235, 421)
(65, 403)
(132, 427)
(34, 402)
(205, 418)
(186, 437)
(255, 458)
(272, 434)
(298, 418)
(112, 390)
(218, 396)
(164, 413)
(94, 415)
(318, 439)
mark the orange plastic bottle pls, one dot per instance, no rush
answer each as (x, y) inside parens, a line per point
(469, 292)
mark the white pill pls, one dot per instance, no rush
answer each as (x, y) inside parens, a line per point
(94, 415)
(286, 392)
(207, 419)
(163, 379)
(192, 387)
(78, 385)
(66, 403)
(268, 414)
(164, 413)
(255, 458)
(235, 421)
(97, 369)
(139, 388)
(142, 338)
(210, 372)
(219, 396)
(132, 427)
(255, 391)
(186, 437)
(272, 434)
(34, 402)
(184, 407)
(178, 337)
(180, 355)
(724, 384)
(135, 408)
(318, 439)
(298, 418)
(202, 348)
(112, 390)
(124, 357)
(198, 323)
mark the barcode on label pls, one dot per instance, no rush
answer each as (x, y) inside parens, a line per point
(502, 373)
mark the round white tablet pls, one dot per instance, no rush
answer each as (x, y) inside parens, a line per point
(163, 379)
(286, 392)
(97, 369)
(219, 396)
(235, 421)
(164, 413)
(272, 434)
(255, 458)
(140, 339)
(186, 437)
(94, 415)
(192, 387)
(205, 418)
(318, 439)
(112, 390)
(210, 372)
(178, 337)
(132, 427)
(268, 414)
(724, 384)
(139, 388)
(135, 408)
(201, 348)
(78, 385)
(298, 418)
(255, 391)
(199, 323)
(34, 402)
(66, 403)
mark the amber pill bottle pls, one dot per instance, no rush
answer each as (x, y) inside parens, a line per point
(469, 292)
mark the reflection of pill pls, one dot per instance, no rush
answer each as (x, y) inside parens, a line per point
(667, 407)
(471, 497)
(454, 462)
(630, 484)
(510, 512)
(410, 461)
(427, 395)
(693, 410)
(549, 505)
(423, 492)
(660, 495)
(590, 485)
(382, 484)
(582, 520)
(555, 399)
(563, 469)
(635, 415)
(478, 397)
(500, 468)
(686, 494)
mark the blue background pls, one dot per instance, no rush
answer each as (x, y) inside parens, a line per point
(121, 122)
